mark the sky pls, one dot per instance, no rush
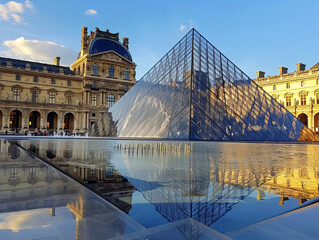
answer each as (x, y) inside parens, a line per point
(254, 34)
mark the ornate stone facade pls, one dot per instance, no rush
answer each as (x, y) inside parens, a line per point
(297, 91)
(54, 98)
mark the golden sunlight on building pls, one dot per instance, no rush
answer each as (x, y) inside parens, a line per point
(297, 91)
(43, 97)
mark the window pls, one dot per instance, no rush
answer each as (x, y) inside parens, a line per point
(287, 85)
(317, 98)
(16, 95)
(95, 84)
(52, 97)
(35, 79)
(303, 100)
(68, 100)
(110, 100)
(52, 80)
(274, 87)
(35, 96)
(288, 101)
(94, 98)
(126, 74)
(18, 77)
(69, 83)
(302, 84)
(95, 69)
(111, 72)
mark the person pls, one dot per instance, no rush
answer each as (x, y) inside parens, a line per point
(6, 132)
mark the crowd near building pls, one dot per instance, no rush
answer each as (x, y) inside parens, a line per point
(49, 98)
(298, 91)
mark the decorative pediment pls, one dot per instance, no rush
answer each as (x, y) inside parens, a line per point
(52, 90)
(303, 93)
(69, 93)
(288, 94)
(110, 55)
(36, 89)
(17, 87)
(316, 91)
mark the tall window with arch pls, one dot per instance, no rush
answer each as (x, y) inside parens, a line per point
(68, 99)
(94, 100)
(95, 69)
(94, 84)
(303, 99)
(16, 95)
(111, 72)
(126, 74)
(52, 97)
(110, 100)
(288, 101)
(35, 96)
(35, 79)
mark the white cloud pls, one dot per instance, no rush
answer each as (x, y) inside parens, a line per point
(182, 27)
(12, 11)
(90, 12)
(36, 50)
(191, 24)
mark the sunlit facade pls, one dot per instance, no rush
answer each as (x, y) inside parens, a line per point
(50, 97)
(297, 91)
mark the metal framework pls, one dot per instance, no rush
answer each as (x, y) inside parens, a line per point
(194, 92)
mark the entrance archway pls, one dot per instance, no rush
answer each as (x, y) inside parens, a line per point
(69, 122)
(34, 120)
(316, 122)
(15, 119)
(303, 118)
(52, 121)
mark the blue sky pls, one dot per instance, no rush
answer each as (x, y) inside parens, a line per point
(255, 35)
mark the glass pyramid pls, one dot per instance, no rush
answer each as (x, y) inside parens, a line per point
(194, 92)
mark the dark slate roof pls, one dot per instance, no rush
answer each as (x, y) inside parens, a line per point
(99, 44)
(35, 65)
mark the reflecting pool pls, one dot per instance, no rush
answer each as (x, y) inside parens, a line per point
(226, 186)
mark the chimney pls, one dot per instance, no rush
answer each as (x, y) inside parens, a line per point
(57, 61)
(283, 70)
(125, 42)
(260, 74)
(301, 67)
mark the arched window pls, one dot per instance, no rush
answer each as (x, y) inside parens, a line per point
(126, 74)
(274, 87)
(94, 100)
(288, 101)
(111, 72)
(16, 95)
(52, 97)
(52, 80)
(287, 85)
(18, 77)
(303, 84)
(303, 99)
(110, 100)
(95, 69)
(35, 79)
(35, 96)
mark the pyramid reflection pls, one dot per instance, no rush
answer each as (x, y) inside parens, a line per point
(195, 92)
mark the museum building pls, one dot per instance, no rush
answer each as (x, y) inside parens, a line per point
(50, 98)
(297, 91)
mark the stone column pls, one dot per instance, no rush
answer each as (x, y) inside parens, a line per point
(60, 121)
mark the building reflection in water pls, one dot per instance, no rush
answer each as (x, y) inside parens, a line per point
(205, 183)
(35, 196)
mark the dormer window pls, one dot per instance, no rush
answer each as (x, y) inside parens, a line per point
(111, 72)
(126, 74)
(95, 69)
